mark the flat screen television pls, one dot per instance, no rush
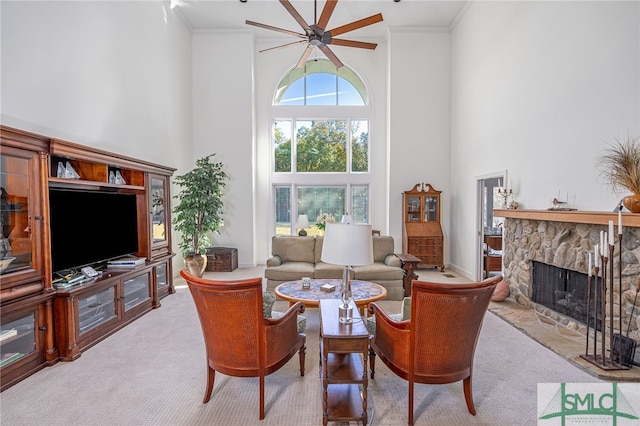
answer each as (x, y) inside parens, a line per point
(88, 227)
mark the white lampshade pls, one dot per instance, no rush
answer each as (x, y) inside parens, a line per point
(303, 222)
(347, 245)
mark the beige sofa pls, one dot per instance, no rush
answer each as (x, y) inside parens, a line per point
(296, 257)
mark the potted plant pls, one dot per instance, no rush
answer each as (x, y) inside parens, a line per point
(199, 211)
(620, 164)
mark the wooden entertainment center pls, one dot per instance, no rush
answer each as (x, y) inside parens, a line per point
(39, 323)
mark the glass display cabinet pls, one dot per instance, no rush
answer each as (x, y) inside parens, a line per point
(421, 230)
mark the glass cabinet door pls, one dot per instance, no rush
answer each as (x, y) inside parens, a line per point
(136, 291)
(96, 309)
(158, 215)
(17, 339)
(18, 187)
(430, 209)
(413, 209)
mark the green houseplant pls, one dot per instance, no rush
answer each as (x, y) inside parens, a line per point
(620, 166)
(199, 210)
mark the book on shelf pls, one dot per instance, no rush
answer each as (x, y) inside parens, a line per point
(9, 357)
(5, 334)
(127, 262)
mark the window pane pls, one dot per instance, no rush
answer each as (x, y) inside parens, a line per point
(321, 89)
(316, 200)
(360, 146)
(360, 204)
(321, 146)
(347, 93)
(282, 145)
(283, 210)
(294, 95)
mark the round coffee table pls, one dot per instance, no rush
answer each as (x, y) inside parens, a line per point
(362, 292)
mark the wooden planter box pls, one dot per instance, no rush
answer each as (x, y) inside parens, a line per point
(222, 259)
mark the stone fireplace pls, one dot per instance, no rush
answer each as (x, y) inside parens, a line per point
(563, 240)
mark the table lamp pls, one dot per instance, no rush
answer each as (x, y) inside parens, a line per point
(347, 245)
(302, 224)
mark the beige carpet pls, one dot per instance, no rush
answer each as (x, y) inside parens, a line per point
(153, 373)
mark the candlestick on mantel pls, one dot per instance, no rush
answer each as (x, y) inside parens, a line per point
(620, 222)
(610, 232)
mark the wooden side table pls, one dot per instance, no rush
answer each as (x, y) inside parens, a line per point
(343, 360)
(409, 265)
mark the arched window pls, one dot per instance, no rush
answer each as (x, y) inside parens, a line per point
(321, 146)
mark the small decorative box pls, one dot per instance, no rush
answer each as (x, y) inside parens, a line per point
(306, 283)
(328, 287)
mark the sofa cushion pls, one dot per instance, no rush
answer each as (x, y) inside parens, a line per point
(382, 246)
(294, 249)
(376, 272)
(328, 270)
(289, 271)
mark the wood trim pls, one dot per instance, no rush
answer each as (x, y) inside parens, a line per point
(595, 218)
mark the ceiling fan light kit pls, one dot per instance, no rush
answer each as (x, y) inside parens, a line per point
(317, 35)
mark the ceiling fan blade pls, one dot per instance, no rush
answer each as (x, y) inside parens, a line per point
(295, 15)
(373, 19)
(353, 43)
(269, 27)
(305, 56)
(332, 56)
(283, 45)
(326, 13)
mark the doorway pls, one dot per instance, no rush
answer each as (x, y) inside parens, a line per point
(489, 228)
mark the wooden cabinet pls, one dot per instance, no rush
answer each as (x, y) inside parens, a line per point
(492, 254)
(421, 230)
(40, 324)
(26, 294)
(88, 313)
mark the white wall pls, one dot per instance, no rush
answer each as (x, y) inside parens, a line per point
(112, 75)
(419, 120)
(539, 88)
(223, 112)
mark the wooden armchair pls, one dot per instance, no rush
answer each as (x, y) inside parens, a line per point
(239, 341)
(438, 343)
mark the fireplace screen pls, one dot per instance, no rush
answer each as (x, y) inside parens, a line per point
(562, 290)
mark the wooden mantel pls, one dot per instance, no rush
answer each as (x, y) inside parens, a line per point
(576, 216)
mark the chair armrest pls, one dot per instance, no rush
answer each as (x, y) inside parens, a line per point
(282, 335)
(274, 261)
(391, 339)
(382, 316)
(392, 260)
(290, 315)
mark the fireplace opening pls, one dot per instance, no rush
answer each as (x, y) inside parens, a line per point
(564, 291)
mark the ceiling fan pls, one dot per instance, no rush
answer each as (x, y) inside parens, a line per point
(317, 35)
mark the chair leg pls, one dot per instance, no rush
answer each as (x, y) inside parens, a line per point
(211, 376)
(302, 352)
(410, 420)
(262, 396)
(372, 362)
(468, 396)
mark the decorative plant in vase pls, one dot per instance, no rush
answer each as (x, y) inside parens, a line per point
(323, 219)
(620, 164)
(199, 211)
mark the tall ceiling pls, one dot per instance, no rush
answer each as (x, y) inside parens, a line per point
(231, 15)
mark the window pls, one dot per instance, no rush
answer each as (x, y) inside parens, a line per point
(321, 149)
